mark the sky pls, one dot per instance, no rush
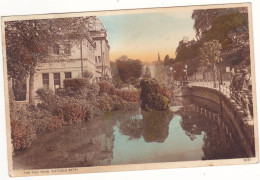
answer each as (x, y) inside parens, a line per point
(143, 35)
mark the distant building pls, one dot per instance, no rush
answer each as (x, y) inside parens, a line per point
(68, 61)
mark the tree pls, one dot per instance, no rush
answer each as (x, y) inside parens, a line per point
(29, 43)
(216, 23)
(128, 69)
(203, 19)
(225, 24)
(210, 55)
(168, 61)
(115, 76)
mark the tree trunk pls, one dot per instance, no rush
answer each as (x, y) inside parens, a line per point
(31, 87)
(215, 75)
(81, 59)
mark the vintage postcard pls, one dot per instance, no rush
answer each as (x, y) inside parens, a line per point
(130, 89)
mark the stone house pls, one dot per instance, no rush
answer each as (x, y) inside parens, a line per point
(71, 59)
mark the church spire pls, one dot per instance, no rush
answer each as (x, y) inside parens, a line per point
(159, 57)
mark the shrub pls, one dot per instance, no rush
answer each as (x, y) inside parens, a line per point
(106, 87)
(21, 135)
(105, 104)
(119, 103)
(154, 96)
(75, 84)
(132, 96)
(89, 114)
(165, 92)
(56, 121)
(48, 99)
(73, 113)
(149, 86)
(88, 74)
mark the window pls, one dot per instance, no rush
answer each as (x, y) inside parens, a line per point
(99, 60)
(67, 75)
(56, 80)
(67, 49)
(45, 80)
(96, 58)
(60, 49)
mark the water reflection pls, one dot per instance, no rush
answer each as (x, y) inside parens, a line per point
(153, 126)
(192, 130)
(221, 140)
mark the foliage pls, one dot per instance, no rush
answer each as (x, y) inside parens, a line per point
(202, 19)
(130, 96)
(115, 76)
(129, 69)
(113, 102)
(75, 84)
(151, 97)
(165, 92)
(168, 61)
(210, 52)
(21, 135)
(88, 74)
(48, 98)
(105, 103)
(73, 113)
(223, 25)
(55, 122)
(28, 43)
(106, 87)
(26, 122)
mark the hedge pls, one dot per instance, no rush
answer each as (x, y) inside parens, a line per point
(75, 83)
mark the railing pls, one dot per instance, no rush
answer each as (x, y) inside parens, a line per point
(242, 99)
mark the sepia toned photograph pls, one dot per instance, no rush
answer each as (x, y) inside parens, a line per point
(130, 89)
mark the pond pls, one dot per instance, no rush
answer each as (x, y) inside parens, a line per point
(191, 130)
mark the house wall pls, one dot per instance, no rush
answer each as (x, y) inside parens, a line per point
(94, 45)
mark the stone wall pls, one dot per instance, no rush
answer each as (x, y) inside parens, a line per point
(231, 112)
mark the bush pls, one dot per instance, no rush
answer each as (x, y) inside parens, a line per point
(165, 92)
(73, 113)
(88, 74)
(153, 96)
(75, 84)
(149, 86)
(48, 99)
(56, 121)
(105, 104)
(21, 135)
(106, 87)
(155, 101)
(131, 96)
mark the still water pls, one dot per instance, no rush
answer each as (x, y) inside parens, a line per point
(187, 132)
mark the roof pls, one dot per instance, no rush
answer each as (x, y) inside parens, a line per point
(96, 25)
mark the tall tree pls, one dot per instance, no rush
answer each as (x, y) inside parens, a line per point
(129, 69)
(203, 19)
(168, 61)
(29, 43)
(210, 55)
